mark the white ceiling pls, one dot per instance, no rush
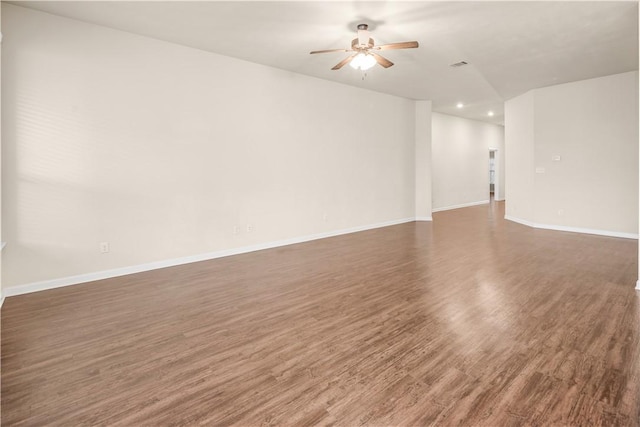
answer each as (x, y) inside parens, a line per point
(511, 47)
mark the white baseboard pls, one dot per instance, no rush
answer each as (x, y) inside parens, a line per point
(424, 218)
(572, 229)
(520, 221)
(638, 285)
(464, 205)
(123, 271)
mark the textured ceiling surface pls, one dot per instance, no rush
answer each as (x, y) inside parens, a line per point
(510, 47)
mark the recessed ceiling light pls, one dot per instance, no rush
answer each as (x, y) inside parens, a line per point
(490, 113)
(459, 105)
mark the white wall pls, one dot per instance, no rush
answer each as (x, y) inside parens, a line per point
(423, 160)
(519, 148)
(460, 160)
(593, 126)
(1, 235)
(161, 150)
(500, 193)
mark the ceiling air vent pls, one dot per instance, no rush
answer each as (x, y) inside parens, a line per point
(459, 64)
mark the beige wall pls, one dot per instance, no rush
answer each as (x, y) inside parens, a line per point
(161, 150)
(592, 126)
(460, 160)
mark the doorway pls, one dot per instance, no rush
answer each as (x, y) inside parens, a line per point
(494, 188)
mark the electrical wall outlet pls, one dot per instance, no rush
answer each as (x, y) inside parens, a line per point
(249, 228)
(104, 247)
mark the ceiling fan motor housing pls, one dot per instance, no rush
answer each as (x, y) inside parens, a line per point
(364, 40)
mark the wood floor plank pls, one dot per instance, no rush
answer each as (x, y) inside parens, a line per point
(470, 320)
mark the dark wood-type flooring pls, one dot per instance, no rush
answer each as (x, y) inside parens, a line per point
(469, 320)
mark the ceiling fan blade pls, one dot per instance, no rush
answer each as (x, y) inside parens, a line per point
(382, 61)
(329, 50)
(403, 45)
(343, 62)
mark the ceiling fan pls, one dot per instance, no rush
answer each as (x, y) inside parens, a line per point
(364, 48)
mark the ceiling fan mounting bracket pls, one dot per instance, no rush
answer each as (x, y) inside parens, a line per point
(355, 45)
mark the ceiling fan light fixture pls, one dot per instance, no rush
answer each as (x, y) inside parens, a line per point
(363, 61)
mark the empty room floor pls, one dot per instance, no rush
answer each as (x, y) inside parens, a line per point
(469, 320)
